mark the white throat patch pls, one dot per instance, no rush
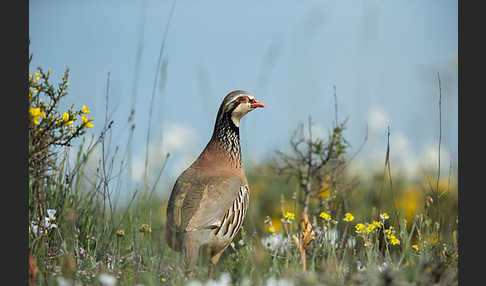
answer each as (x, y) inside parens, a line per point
(239, 112)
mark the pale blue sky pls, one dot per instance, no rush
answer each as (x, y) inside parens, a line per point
(382, 56)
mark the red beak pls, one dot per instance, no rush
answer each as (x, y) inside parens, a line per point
(256, 104)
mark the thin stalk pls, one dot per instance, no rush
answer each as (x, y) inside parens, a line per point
(388, 167)
(162, 46)
(440, 140)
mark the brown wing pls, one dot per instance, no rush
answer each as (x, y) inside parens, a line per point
(199, 202)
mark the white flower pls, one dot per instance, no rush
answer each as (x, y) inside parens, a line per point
(359, 266)
(51, 214)
(331, 236)
(82, 252)
(384, 216)
(107, 279)
(35, 228)
(224, 280)
(48, 224)
(276, 242)
(61, 281)
(34, 225)
(272, 281)
(382, 267)
(48, 221)
(245, 282)
(351, 242)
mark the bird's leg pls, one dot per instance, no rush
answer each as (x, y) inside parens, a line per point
(213, 260)
(191, 254)
(210, 270)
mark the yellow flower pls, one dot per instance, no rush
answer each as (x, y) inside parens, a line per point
(276, 223)
(289, 215)
(87, 121)
(324, 191)
(325, 194)
(370, 228)
(348, 217)
(394, 240)
(36, 77)
(65, 116)
(410, 201)
(69, 123)
(271, 229)
(324, 186)
(376, 223)
(414, 246)
(325, 216)
(34, 111)
(85, 110)
(384, 216)
(360, 228)
(145, 228)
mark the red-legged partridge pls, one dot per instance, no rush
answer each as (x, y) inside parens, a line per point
(210, 198)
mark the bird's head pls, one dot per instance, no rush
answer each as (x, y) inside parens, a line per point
(237, 104)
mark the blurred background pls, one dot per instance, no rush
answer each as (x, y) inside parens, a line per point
(167, 65)
(160, 69)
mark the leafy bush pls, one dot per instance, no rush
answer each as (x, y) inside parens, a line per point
(49, 129)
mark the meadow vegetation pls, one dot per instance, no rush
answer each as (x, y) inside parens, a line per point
(310, 220)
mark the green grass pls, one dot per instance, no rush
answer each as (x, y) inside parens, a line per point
(85, 243)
